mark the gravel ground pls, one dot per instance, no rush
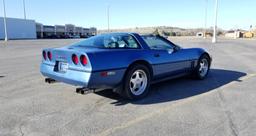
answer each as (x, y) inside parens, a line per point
(222, 105)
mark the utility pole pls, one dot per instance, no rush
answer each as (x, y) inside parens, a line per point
(108, 17)
(5, 23)
(205, 21)
(24, 9)
(214, 38)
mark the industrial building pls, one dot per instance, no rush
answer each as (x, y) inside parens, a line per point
(60, 31)
(64, 31)
(29, 29)
(39, 30)
(239, 34)
(78, 31)
(18, 28)
(234, 34)
(92, 31)
(48, 31)
(70, 29)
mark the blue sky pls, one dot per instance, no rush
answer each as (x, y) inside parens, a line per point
(135, 13)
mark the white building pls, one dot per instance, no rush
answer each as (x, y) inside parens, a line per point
(233, 34)
(18, 28)
(29, 29)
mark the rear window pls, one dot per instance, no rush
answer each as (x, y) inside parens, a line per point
(110, 41)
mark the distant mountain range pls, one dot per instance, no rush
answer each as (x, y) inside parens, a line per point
(166, 30)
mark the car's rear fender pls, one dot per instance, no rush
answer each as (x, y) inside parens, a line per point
(110, 78)
(115, 62)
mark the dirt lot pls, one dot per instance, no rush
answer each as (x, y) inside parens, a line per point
(224, 104)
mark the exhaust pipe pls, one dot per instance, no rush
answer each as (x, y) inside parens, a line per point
(84, 90)
(49, 80)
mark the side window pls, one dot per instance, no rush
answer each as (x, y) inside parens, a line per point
(157, 43)
(131, 43)
(120, 41)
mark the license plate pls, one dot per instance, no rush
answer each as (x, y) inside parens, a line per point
(63, 66)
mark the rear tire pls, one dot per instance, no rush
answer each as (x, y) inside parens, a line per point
(202, 69)
(136, 82)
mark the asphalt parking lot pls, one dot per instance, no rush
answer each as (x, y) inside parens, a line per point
(224, 104)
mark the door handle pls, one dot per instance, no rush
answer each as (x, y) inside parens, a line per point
(156, 55)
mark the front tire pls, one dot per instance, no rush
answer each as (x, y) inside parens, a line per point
(136, 82)
(202, 68)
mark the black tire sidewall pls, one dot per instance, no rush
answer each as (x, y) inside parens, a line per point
(126, 91)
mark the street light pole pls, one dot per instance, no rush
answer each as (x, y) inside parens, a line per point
(205, 21)
(24, 9)
(108, 16)
(214, 38)
(5, 26)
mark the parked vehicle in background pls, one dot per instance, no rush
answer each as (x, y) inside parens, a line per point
(76, 36)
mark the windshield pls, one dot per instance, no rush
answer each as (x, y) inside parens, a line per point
(109, 41)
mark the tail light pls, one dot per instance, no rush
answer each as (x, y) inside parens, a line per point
(75, 59)
(44, 55)
(49, 55)
(83, 60)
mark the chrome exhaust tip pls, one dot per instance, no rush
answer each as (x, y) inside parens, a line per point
(84, 90)
(49, 80)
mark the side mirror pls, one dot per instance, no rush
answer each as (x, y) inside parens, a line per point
(170, 51)
(176, 48)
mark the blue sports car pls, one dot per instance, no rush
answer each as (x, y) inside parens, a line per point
(125, 62)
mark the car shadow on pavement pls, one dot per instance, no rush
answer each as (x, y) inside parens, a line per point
(179, 88)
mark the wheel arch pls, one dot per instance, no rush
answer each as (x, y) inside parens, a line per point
(141, 62)
(119, 88)
(208, 55)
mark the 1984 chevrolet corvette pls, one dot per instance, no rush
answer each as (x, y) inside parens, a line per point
(125, 62)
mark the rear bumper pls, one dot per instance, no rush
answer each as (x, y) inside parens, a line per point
(71, 76)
